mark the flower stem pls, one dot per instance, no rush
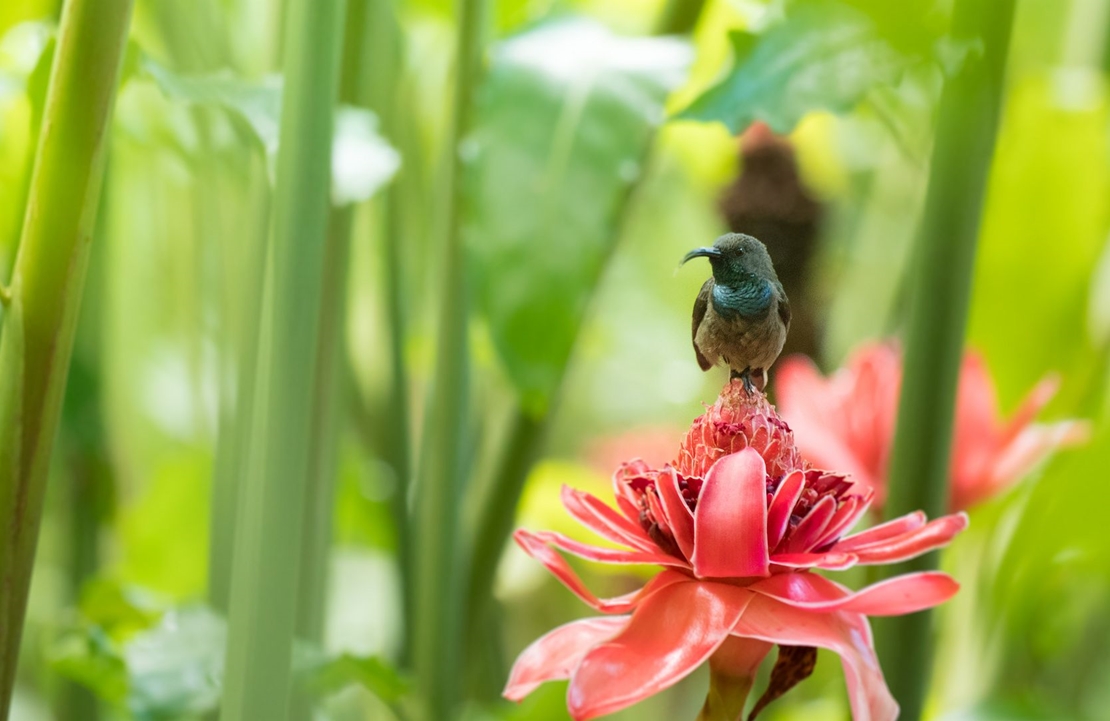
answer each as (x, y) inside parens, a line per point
(726, 697)
(436, 641)
(270, 535)
(939, 297)
(41, 317)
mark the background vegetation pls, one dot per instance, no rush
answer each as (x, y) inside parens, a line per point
(489, 308)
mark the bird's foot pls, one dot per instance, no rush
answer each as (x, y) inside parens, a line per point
(746, 377)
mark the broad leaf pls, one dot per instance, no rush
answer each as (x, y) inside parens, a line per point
(825, 55)
(362, 161)
(560, 137)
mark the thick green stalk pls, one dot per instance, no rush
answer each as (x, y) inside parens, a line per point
(266, 566)
(41, 316)
(384, 58)
(436, 641)
(241, 339)
(939, 295)
(324, 439)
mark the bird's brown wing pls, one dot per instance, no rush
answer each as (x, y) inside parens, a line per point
(784, 309)
(701, 305)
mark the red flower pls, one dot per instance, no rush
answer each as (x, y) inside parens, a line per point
(738, 521)
(846, 421)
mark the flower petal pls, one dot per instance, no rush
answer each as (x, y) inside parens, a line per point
(778, 510)
(848, 634)
(893, 597)
(604, 555)
(671, 633)
(555, 655)
(812, 527)
(883, 532)
(679, 517)
(1030, 406)
(538, 547)
(604, 521)
(932, 535)
(846, 517)
(730, 523)
(831, 561)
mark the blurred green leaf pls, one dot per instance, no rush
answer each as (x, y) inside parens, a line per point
(559, 140)
(159, 662)
(121, 610)
(825, 55)
(168, 670)
(362, 161)
(370, 672)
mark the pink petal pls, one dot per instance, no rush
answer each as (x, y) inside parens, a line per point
(799, 388)
(604, 521)
(1037, 399)
(847, 634)
(933, 535)
(810, 529)
(555, 655)
(830, 561)
(846, 517)
(1030, 447)
(893, 597)
(883, 532)
(536, 546)
(626, 499)
(671, 633)
(604, 555)
(679, 516)
(730, 523)
(778, 511)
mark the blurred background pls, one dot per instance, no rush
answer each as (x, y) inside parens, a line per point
(581, 188)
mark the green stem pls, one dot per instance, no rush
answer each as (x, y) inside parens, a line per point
(496, 510)
(436, 641)
(266, 566)
(49, 274)
(324, 439)
(383, 55)
(232, 456)
(939, 297)
(726, 697)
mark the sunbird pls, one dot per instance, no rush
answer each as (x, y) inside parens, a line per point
(741, 315)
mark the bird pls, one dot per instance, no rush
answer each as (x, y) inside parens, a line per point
(741, 315)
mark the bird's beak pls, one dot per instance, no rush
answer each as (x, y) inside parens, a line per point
(702, 253)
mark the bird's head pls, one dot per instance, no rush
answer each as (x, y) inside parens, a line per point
(736, 258)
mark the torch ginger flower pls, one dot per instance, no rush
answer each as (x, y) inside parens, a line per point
(847, 422)
(738, 521)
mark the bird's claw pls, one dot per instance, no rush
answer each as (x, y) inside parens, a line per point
(745, 377)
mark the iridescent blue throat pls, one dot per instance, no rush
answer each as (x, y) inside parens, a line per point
(746, 299)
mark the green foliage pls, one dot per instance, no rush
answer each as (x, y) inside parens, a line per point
(362, 160)
(572, 132)
(370, 672)
(158, 662)
(825, 55)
